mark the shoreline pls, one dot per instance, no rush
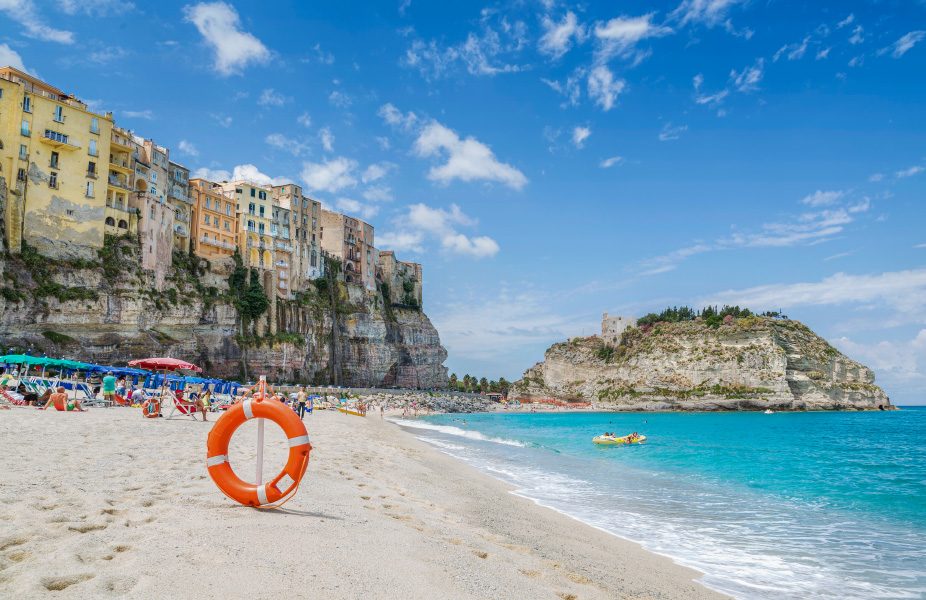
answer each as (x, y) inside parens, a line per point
(121, 503)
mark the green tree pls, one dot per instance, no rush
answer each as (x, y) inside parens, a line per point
(254, 301)
(453, 381)
(483, 385)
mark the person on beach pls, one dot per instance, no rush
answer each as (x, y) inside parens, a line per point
(203, 403)
(381, 410)
(301, 398)
(109, 388)
(62, 397)
(43, 399)
(120, 387)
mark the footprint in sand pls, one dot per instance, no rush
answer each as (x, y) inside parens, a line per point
(56, 584)
(14, 541)
(122, 548)
(87, 528)
(481, 554)
(18, 555)
(118, 585)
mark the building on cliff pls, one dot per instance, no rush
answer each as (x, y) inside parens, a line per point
(304, 212)
(156, 215)
(402, 279)
(50, 148)
(214, 220)
(613, 327)
(121, 219)
(350, 240)
(178, 195)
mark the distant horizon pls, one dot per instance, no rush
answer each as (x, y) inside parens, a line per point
(548, 162)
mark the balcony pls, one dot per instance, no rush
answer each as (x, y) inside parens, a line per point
(116, 182)
(217, 243)
(91, 175)
(283, 246)
(58, 141)
(181, 230)
(282, 263)
(121, 144)
(182, 217)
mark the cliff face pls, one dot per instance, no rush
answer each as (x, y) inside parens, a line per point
(751, 363)
(111, 313)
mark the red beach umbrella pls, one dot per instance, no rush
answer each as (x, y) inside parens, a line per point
(164, 364)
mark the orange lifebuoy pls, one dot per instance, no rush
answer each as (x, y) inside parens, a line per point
(220, 470)
(151, 408)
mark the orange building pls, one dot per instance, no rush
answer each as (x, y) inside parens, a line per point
(214, 220)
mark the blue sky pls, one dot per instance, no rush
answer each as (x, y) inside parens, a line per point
(548, 161)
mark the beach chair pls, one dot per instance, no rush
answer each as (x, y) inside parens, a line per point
(14, 398)
(179, 408)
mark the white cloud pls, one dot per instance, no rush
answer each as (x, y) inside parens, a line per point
(270, 97)
(339, 99)
(327, 139)
(247, 172)
(579, 135)
(620, 35)
(304, 119)
(804, 229)
(422, 222)
(222, 120)
(671, 132)
(187, 148)
(25, 13)
(705, 12)
(558, 36)
(794, 51)
(330, 176)
(823, 53)
(899, 364)
(376, 171)
(353, 207)
(571, 88)
(10, 57)
(902, 291)
(858, 35)
(821, 198)
(846, 22)
(708, 99)
(293, 146)
(602, 87)
(146, 114)
(394, 117)
(610, 162)
(401, 241)
(220, 26)
(875, 177)
(467, 159)
(96, 8)
(378, 193)
(748, 79)
(914, 170)
(383, 142)
(485, 53)
(905, 43)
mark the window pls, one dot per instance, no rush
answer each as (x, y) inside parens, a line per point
(91, 169)
(59, 114)
(260, 228)
(53, 180)
(21, 175)
(94, 125)
(252, 192)
(262, 195)
(90, 189)
(23, 151)
(53, 163)
(227, 210)
(262, 211)
(208, 203)
(154, 175)
(91, 148)
(206, 219)
(227, 226)
(237, 190)
(251, 225)
(27, 104)
(24, 129)
(154, 190)
(251, 208)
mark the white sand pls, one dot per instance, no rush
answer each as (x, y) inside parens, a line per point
(107, 504)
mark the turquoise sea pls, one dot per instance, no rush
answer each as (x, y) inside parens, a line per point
(788, 505)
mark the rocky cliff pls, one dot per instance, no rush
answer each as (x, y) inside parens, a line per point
(109, 312)
(749, 363)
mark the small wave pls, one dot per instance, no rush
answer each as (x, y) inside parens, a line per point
(451, 430)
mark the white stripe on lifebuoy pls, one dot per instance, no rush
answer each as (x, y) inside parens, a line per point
(262, 494)
(298, 441)
(216, 460)
(247, 410)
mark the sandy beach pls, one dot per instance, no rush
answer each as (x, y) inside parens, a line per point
(107, 504)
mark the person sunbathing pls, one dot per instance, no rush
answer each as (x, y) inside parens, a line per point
(61, 397)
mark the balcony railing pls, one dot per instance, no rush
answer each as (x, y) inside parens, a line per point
(119, 183)
(217, 243)
(283, 246)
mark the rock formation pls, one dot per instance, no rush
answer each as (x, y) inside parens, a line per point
(749, 363)
(109, 312)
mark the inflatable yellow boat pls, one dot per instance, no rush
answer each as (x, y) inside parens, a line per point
(610, 440)
(348, 411)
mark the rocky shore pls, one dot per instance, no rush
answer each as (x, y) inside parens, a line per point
(445, 402)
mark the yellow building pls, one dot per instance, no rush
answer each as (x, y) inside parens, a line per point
(214, 220)
(50, 161)
(254, 205)
(120, 218)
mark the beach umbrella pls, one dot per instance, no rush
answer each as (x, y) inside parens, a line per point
(165, 364)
